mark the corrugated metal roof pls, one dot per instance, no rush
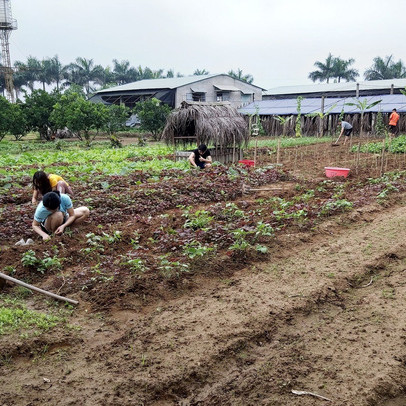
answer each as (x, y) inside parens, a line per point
(166, 83)
(337, 87)
(227, 88)
(283, 107)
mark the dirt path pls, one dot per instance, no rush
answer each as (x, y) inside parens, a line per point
(325, 315)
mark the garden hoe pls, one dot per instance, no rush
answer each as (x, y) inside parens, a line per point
(248, 189)
(336, 144)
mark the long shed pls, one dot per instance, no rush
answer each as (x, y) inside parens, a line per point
(268, 109)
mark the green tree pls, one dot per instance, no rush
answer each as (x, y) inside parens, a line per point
(199, 72)
(240, 76)
(152, 114)
(38, 107)
(17, 121)
(12, 119)
(29, 71)
(325, 70)
(385, 69)
(5, 117)
(79, 115)
(44, 73)
(334, 68)
(85, 73)
(56, 71)
(342, 70)
(123, 73)
(117, 116)
(147, 73)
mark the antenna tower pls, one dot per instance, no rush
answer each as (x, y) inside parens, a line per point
(7, 24)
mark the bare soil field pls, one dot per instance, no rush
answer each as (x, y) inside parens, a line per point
(320, 314)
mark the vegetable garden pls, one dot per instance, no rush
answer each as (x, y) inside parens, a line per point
(162, 240)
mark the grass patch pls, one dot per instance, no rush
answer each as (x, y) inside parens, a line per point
(288, 142)
(14, 316)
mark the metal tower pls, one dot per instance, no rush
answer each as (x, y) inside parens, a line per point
(7, 24)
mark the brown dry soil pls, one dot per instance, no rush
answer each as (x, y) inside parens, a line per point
(324, 314)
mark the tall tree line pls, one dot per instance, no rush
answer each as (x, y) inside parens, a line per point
(337, 69)
(86, 74)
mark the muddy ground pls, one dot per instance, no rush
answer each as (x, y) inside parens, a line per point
(324, 313)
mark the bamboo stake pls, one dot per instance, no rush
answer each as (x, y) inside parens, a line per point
(382, 157)
(234, 148)
(358, 151)
(388, 154)
(255, 153)
(278, 151)
(44, 292)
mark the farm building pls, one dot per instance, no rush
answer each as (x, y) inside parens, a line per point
(346, 89)
(218, 125)
(174, 91)
(311, 107)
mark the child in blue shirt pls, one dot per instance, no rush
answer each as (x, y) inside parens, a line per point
(55, 213)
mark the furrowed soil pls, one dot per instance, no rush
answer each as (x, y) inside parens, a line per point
(323, 313)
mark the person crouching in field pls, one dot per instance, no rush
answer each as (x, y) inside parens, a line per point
(43, 183)
(200, 157)
(55, 213)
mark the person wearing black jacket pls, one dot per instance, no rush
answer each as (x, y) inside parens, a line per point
(200, 157)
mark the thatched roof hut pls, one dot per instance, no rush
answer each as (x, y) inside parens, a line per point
(213, 124)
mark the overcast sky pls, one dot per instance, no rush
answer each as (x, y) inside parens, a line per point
(276, 41)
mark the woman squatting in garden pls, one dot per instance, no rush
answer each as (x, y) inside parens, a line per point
(55, 213)
(43, 183)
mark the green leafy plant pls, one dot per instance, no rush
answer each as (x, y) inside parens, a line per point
(196, 249)
(240, 240)
(170, 269)
(298, 124)
(334, 206)
(322, 115)
(200, 219)
(362, 106)
(283, 121)
(29, 259)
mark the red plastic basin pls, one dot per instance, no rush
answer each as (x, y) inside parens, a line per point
(247, 162)
(332, 172)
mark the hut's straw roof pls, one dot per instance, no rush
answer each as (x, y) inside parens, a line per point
(214, 124)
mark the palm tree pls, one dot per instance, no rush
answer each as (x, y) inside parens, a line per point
(342, 71)
(171, 74)
(56, 71)
(240, 76)
(44, 74)
(199, 72)
(148, 73)
(326, 70)
(123, 73)
(84, 73)
(385, 69)
(29, 71)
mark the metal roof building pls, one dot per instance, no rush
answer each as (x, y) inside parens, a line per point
(173, 91)
(282, 107)
(344, 89)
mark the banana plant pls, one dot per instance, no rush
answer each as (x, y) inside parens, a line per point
(362, 107)
(321, 117)
(283, 121)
